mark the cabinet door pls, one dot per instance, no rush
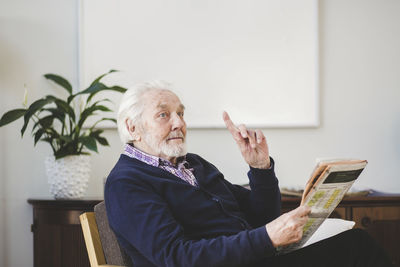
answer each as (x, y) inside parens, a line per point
(47, 246)
(383, 224)
(60, 246)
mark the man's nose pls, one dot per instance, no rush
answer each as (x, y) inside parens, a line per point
(177, 122)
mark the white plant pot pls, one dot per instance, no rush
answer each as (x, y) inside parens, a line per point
(68, 177)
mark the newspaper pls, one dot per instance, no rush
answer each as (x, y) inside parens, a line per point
(328, 184)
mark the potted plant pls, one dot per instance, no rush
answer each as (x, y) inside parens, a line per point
(61, 123)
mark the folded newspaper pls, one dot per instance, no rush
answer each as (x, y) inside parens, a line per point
(328, 184)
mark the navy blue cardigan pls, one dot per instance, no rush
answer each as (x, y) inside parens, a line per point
(160, 220)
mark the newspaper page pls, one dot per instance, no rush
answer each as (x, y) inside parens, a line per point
(327, 186)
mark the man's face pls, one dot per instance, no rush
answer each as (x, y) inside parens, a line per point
(162, 129)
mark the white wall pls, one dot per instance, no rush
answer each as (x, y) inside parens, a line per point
(360, 110)
(36, 37)
(2, 191)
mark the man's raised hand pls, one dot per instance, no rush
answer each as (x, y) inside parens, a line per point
(252, 143)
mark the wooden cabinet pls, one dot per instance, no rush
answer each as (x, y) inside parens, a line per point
(57, 235)
(379, 216)
(58, 239)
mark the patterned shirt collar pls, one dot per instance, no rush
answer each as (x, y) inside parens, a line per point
(155, 161)
(181, 170)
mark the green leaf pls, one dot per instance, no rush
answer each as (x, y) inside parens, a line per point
(66, 138)
(113, 88)
(96, 132)
(48, 140)
(118, 88)
(61, 104)
(67, 148)
(66, 151)
(38, 135)
(109, 119)
(60, 81)
(89, 111)
(95, 88)
(89, 142)
(102, 100)
(102, 140)
(11, 116)
(33, 108)
(44, 122)
(101, 76)
(103, 119)
(53, 133)
(56, 113)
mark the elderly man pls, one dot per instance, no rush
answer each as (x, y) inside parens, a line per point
(168, 207)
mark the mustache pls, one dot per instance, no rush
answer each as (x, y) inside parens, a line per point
(176, 135)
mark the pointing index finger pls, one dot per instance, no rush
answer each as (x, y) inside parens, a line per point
(228, 122)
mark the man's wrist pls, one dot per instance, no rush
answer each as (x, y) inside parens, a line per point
(265, 166)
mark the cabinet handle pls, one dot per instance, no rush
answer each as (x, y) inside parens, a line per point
(365, 222)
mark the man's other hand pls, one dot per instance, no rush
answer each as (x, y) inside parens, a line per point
(288, 228)
(252, 143)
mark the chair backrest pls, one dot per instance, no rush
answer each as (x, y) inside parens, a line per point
(113, 253)
(101, 244)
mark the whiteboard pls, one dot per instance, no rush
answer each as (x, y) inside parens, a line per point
(256, 59)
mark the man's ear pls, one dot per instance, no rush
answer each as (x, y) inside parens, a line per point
(132, 130)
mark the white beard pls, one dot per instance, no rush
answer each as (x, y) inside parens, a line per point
(176, 150)
(170, 150)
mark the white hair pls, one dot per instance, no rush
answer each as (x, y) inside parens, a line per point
(132, 105)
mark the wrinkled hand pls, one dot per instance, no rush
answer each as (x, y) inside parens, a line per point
(288, 228)
(252, 144)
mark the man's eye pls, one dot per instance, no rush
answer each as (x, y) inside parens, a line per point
(163, 115)
(180, 114)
